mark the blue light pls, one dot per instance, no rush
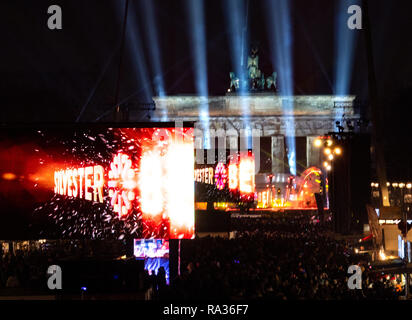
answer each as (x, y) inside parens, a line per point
(344, 52)
(236, 13)
(134, 52)
(292, 162)
(155, 54)
(280, 39)
(197, 37)
(83, 288)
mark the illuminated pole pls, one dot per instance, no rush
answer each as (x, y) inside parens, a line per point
(116, 97)
(375, 113)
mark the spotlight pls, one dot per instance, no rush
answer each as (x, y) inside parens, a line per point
(409, 185)
(337, 151)
(280, 34)
(388, 184)
(329, 142)
(394, 185)
(326, 164)
(330, 157)
(198, 44)
(327, 151)
(372, 184)
(401, 185)
(317, 143)
(329, 168)
(345, 41)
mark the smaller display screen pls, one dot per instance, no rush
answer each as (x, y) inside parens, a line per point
(151, 248)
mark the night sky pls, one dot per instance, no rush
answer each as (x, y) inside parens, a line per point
(49, 75)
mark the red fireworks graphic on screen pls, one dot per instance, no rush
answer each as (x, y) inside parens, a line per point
(220, 176)
(122, 184)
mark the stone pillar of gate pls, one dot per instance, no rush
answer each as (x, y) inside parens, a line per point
(278, 154)
(313, 155)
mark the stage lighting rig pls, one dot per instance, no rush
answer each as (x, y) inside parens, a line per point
(331, 149)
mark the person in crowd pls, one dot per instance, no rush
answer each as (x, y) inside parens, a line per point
(285, 258)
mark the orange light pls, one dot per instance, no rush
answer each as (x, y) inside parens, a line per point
(337, 151)
(247, 175)
(317, 143)
(9, 176)
(327, 151)
(233, 176)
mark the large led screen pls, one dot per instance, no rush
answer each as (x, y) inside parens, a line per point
(98, 182)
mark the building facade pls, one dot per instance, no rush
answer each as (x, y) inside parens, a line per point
(264, 113)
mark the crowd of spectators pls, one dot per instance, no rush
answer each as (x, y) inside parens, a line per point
(24, 269)
(286, 258)
(283, 257)
(27, 269)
